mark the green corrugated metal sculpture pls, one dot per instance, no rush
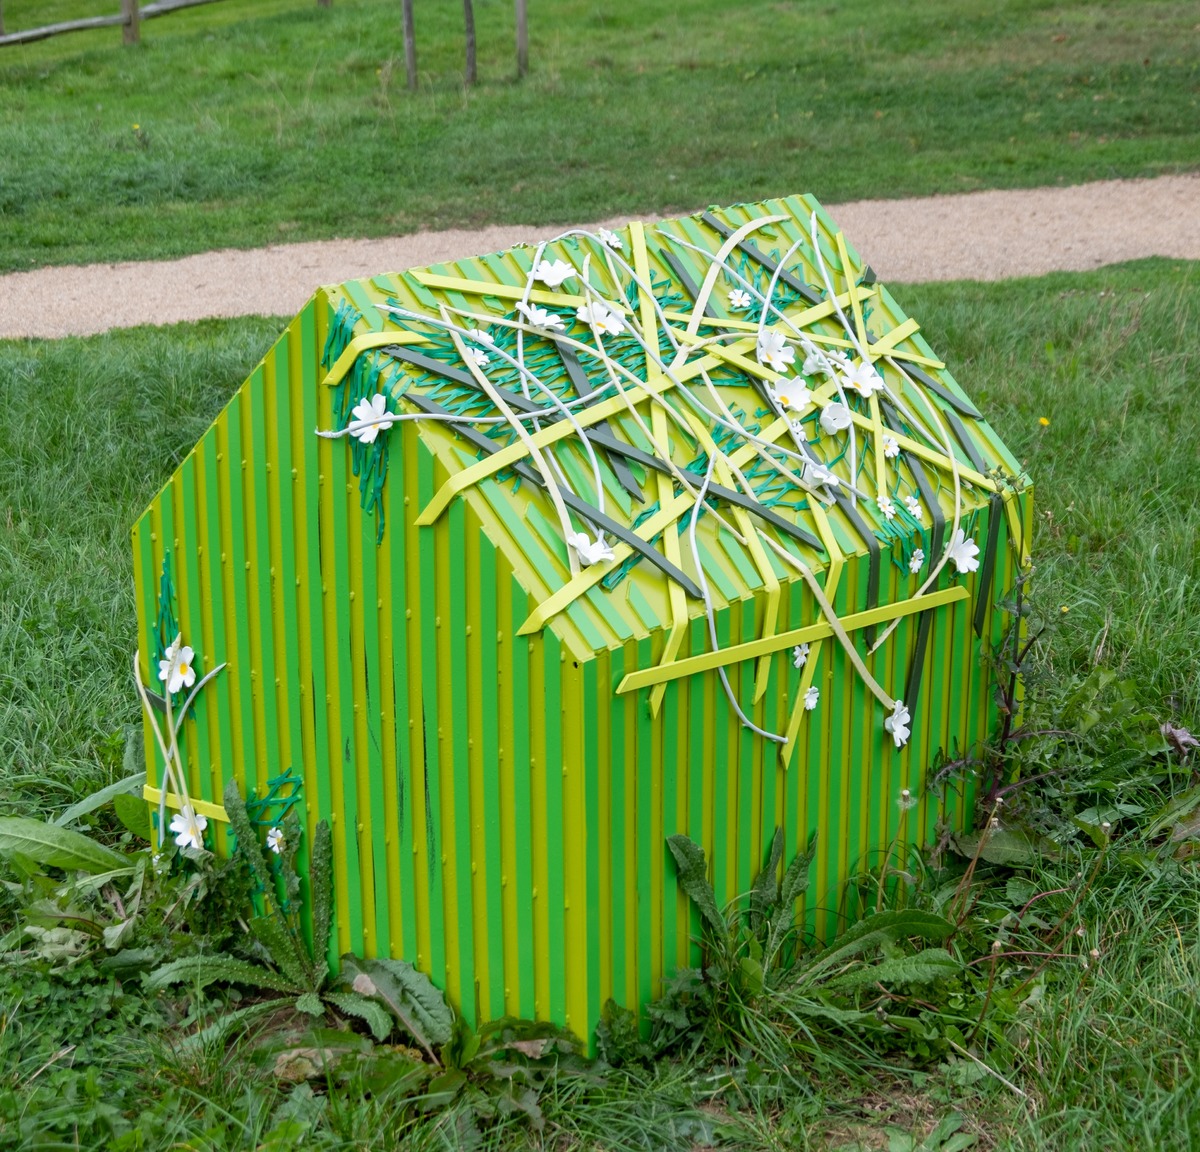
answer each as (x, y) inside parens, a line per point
(514, 567)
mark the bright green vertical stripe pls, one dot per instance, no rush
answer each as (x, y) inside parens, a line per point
(335, 589)
(593, 739)
(454, 647)
(700, 748)
(307, 409)
(719, 848)
(522, 772)
(742, 679)
(288, 445)
(396, 594)
(552, 767)
(259, 577)
(425, 604)
(646, 848)
(145, 589)
(193, 609)
(668, 719)
(620, 843)
(490, 768)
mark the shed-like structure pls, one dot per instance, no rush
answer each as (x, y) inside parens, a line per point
(523, 563)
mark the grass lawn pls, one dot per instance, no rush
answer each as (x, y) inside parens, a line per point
(1081, 1050)
(257, 121)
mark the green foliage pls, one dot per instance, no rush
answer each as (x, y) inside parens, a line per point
(56, 847)
(409, 995)
(264, 120)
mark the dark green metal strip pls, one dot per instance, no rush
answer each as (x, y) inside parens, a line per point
(583, 387)
(684, 279)
(913, 689)
(955, 402)
(873, 562)
(596, 518)
(929, 496)
(762, 258)
(965, 439)
(983, 593)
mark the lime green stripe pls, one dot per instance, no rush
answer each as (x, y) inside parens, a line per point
(453, 581)
(555, 895)
(742, 679)
(591, 721)
(669, 721)
(286, 479)
(647, 959)
(194, 601)
(701, 754)
(489, 675)
(622, 847)
(260, 577)
(522, 770)
(426, 602)
(724, 737)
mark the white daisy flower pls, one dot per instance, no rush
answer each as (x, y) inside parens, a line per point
(275, 840)
(175, 668)
(916, 560)
(816, 473)
(590, 551)
(811, 697)
(369, 417)
(540, 317)
(887, 507)
(611, 239)
(601, 317)
(552, 275)
(793, 394)
(799, 655)
(914, 507)
(739, 298)
(891, 449)
(835, 418)
(865, 378)
(815, 363)
(775, 352)
(897, 724)
(188, 828)
(479, 356)
(964, 552)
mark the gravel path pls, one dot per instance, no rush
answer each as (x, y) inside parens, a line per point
(977, 236)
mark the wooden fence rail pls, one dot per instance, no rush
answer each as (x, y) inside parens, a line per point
(129, 19)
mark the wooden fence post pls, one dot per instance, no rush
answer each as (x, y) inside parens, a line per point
(324, 3)
(131, 31)
(469, 22)
(410, 46)
(522, 38)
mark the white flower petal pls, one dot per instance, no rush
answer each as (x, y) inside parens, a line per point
(891, 449)
(964, 552)
(553, 275)
(799, 655)
(775, 352)
(590, 551)
(835, 418)
(611, 239)
(812, 698)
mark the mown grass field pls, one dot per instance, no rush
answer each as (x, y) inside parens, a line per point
(1067, 1050)
(258, 121)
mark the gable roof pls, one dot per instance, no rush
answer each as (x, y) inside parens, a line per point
(747, 354)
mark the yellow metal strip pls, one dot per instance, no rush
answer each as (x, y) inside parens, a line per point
(200, 807)
(507, 291)
(591, 576)
(551, 434)
(365, 343)
(886, 344)
(822, 630)
(788, 749)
